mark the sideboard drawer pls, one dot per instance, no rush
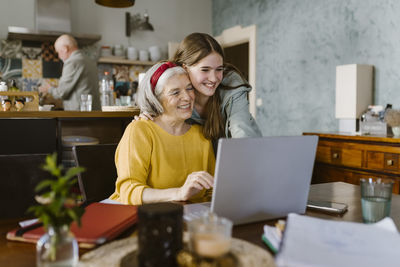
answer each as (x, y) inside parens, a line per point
(382, 161)
(340, 156)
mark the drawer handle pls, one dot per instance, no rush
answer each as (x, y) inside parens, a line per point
(335, 155)
(390, 162)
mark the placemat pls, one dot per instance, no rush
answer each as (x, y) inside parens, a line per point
(115, 254)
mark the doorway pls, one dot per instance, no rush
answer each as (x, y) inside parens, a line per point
(240, 49)
(238, 55)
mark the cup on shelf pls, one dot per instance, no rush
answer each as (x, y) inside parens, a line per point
(105, 51)
(376, 198)
(155, 53)
(118, 50)
(132, 53)
(144, 55)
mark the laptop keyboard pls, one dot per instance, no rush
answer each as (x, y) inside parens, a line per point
(195, 211)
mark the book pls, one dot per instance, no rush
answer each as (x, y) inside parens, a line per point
(310, 241)
(271, 238)
(101, 222)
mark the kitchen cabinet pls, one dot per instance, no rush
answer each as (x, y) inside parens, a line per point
(347, 158)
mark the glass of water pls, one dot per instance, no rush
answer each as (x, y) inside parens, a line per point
(86, 102)
(376, 197)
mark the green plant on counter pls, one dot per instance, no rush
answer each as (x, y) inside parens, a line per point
(59, 205)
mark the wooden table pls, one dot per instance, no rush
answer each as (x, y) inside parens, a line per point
(23, 254)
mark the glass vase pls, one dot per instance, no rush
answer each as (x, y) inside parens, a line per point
(396, 131)
(58, 247)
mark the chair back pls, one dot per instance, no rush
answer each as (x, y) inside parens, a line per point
(19, 175)
(98, 181)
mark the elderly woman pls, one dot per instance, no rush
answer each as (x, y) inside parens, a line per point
(166, 159)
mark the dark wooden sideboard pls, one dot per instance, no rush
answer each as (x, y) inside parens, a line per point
(342, 157)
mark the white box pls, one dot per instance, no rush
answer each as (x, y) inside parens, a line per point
(354, 90)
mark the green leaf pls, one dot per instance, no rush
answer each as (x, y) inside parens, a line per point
(74, 171)
(43, 184)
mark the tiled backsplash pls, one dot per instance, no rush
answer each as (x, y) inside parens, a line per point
(30, 66)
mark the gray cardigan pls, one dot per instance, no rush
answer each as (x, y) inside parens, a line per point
(79, 76)
(235, 109)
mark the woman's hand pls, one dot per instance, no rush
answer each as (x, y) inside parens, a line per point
(144, 115)
(195, 182)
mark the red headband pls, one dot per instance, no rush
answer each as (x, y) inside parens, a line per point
(157, 74)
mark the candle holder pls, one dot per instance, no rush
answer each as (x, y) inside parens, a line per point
(160, 227)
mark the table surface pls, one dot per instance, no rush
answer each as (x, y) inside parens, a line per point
(14, 253)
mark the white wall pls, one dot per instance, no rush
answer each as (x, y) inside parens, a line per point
(16, 13)
(172, 20)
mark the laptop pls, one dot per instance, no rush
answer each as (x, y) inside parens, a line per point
(260, 178)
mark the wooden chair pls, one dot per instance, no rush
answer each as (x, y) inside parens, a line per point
(98, 181)
(19, 175)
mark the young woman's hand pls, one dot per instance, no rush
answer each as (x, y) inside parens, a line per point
(195, 182)
(144, 116)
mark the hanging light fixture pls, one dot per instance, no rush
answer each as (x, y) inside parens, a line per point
(116, 3)
(137, 22)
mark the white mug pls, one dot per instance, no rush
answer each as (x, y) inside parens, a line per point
(144, 55)
(155, 53)
(132, 53)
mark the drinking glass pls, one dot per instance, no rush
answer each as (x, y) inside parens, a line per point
(376, 196)
(125, 100)
(86, 102)
(210, 236)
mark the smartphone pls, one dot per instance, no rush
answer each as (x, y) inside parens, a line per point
(326, 206)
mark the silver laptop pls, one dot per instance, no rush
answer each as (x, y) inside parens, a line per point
(260, 178)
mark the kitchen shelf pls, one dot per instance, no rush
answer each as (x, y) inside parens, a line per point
(120, 60)
(25, 34)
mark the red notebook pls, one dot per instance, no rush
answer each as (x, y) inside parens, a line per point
(100, 223)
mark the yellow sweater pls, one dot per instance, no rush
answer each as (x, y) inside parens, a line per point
(148, 156)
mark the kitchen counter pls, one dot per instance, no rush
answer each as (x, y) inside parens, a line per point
(33, 132)
(68, 114)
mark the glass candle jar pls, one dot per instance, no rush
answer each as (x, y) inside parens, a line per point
(160, 228)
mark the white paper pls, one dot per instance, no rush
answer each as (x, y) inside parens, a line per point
(315, 242)
(110, 201)
(28, 222)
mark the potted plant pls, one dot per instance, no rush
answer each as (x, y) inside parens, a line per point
(392, 118)
(59, 207)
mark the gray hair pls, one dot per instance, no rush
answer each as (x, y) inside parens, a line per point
(148, 101)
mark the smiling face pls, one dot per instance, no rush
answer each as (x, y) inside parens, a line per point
(177, 98)
(206, 74)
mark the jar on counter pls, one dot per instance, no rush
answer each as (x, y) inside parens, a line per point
(106, 94)
(3, 87)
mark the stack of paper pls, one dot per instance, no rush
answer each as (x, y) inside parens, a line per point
(315, 242)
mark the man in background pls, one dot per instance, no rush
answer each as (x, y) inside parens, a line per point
(79, 75)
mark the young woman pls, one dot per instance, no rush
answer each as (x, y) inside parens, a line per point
(164, 159)
(221, 102)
